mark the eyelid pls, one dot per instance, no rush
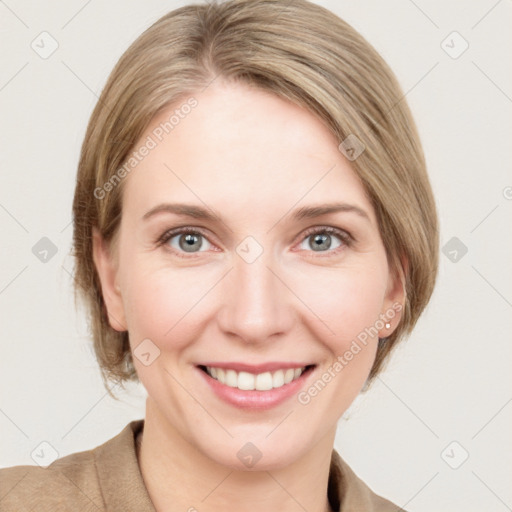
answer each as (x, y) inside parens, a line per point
(346, 239)
(171, 233)
(342, 233)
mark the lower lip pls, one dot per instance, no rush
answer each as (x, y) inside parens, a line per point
(254, 399)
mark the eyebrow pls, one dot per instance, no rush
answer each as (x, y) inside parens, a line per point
(305, 212)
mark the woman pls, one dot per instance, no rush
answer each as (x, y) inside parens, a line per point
(254, 233)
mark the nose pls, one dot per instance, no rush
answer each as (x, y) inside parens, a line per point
(257, 304)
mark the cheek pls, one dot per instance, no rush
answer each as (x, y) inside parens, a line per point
(348, 300)
(159, 301)
(162, 304)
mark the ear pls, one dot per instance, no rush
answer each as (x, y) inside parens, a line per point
(107, 272)
(394, 301)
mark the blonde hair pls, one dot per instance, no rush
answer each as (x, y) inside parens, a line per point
(298, 51)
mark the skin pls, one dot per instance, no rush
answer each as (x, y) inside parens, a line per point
(253, 158)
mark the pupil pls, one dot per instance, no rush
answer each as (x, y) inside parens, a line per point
(322, 239)
(190, 240)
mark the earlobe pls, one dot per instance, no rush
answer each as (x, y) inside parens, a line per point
(107, 272)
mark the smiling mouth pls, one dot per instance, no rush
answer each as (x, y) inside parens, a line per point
(259, 382)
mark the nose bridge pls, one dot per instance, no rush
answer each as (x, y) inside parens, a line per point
(256, 305)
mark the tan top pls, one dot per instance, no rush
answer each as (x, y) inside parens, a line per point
(108, 478)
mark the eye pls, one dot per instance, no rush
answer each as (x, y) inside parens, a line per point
(320, 239)
(185, 240)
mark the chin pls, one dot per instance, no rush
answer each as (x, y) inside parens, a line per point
(255, 453)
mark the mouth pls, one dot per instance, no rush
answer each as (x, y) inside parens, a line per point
(253, 381)
(254, 387)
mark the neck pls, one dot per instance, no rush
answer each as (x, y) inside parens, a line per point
(179, 478)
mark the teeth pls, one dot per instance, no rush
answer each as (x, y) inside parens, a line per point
(249, 381)
(245, 381)
(231, 378)
(278, 379)
(263, 381)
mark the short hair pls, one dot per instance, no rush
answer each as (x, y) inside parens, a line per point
(300, 52)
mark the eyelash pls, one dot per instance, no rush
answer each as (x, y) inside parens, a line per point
(346, 239)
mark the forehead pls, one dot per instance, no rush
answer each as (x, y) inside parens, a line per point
(242, 148)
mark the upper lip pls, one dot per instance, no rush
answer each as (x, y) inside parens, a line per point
(255, 368)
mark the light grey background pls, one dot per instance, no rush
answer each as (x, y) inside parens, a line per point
(450, 381)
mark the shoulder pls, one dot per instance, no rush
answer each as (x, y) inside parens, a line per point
(104, 478)
(71, 480)
(352, 493)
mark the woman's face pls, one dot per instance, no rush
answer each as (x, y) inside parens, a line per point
(251, 282)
